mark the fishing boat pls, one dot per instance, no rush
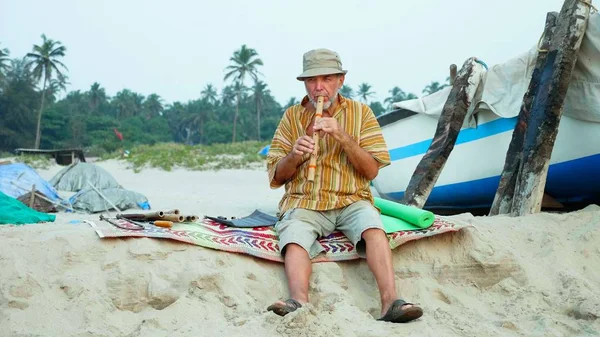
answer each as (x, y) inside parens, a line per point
(471, 175)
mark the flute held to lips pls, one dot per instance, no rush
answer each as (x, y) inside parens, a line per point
(312, 166)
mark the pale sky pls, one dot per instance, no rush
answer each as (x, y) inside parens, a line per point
(174, 48)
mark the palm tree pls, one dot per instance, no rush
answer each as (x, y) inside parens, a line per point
(154, 105)
(244, 63)
(377, 108)
(127, 103)
(433, 87)
(19, 70)
(4, 57)
(227, 95)
(347, 91)
(45, 61)
(398, 95)
(97, 96)
(193, 120)
(138, 103)
(205, 109)
(209, 94)
(364, 92)
(259, 93)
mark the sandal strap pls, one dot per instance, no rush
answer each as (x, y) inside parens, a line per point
(400, 302)
(293, 303)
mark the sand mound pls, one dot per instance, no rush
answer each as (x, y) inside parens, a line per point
(532, 276)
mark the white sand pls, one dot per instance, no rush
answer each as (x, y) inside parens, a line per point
(530, 276)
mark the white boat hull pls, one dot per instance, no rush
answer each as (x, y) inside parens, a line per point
(471, 174)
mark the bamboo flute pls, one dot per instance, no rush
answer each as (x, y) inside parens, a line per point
(312, 166)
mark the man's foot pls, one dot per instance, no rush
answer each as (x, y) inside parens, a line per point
(401, 312)
(283, 308)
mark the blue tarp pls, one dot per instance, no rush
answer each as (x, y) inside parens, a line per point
(264, 151)
(17, 179)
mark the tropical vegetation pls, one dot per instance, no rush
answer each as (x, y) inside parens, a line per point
(33, 116)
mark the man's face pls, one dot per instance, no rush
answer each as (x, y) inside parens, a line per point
(326, 86)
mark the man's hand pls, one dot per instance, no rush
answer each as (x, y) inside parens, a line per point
(302, 146)
(329, 125)
(287, 165)
(362, 161)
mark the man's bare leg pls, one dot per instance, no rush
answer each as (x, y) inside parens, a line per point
(379, 259)
(298, 268)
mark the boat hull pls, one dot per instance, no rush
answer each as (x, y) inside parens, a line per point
(471, 175)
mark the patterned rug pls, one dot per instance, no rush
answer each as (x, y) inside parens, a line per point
(262, 242)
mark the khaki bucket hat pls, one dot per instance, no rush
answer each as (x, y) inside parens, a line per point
(318, 62)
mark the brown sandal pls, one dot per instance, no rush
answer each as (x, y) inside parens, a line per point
(289, 305)
(396, 314)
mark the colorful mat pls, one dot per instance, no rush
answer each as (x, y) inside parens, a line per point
(262, 242)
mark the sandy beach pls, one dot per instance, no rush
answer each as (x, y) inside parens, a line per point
(531, 276)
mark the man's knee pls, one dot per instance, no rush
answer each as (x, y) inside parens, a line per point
(294, 249)
(373, 234)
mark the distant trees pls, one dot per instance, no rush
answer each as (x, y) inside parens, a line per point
(4, 61)
(433, 87)
(347, 91)
(31, 105)
(397, 95)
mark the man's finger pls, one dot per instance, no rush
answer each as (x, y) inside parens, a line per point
(308, 139)
(305, 143)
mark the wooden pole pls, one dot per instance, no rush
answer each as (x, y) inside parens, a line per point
(453, 70)
(548, 107)
(504, 194)
(312, 166)
(32, 196)
(103, 196)
(449, 125)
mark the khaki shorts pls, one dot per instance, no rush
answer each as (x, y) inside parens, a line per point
(304, 226)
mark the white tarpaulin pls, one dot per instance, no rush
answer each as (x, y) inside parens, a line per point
(505, 84)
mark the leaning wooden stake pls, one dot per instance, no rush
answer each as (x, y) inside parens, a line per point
(103, 196)
(548, 106)
(449, 125)
(32, 196)
(504, 194)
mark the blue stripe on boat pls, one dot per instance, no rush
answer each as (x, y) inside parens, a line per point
(571, 181)
(465, 136)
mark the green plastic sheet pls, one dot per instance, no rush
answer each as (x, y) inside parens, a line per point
(397, 217)
(14, 212)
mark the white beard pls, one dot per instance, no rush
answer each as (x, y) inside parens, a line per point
(327, 104)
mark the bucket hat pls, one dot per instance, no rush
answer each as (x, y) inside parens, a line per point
(319, 62)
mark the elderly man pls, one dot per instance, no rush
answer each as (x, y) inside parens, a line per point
(351, 152)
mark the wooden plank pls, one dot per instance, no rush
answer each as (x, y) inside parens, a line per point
(548, 107)
(449, 125)
(72, 152)
(504, 194)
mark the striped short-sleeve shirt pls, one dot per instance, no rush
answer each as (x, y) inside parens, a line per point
(337, 183)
